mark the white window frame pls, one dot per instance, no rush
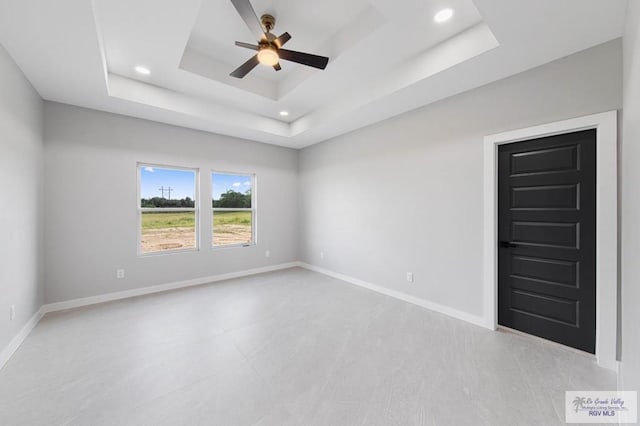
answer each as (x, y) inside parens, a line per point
(253, 210)
(195, 209)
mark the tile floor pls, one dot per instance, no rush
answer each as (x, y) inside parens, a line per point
(291, 347)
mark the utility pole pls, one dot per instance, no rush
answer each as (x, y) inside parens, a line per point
(162, 189)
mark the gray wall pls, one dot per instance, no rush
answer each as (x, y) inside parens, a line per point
(21, 212)
(406, 194)
(630, 370)
(91, 218)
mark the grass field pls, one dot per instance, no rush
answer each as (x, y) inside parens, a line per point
(175, 230)
(232, 218)
(154, 220)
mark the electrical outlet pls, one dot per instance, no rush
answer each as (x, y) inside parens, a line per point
(119, 273)
(12, 312)
(267, 253)
(410, 277)
(321, 255)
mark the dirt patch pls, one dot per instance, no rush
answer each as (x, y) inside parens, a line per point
(231, 234)
(157, 240)
(154, 240)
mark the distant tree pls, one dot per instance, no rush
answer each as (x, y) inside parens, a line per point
(187, 202)
(159, 202)
(233, 200)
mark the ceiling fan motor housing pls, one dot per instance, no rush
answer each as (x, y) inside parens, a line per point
(268, 22)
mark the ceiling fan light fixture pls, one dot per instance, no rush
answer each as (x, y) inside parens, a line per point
(268, 56)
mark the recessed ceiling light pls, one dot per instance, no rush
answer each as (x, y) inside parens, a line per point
(284, 113)
(142, 70)
(443, 16)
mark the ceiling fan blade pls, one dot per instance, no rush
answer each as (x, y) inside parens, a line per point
(304, 58)
(280, 41)
(244, 69)
(247, 45)
(277, 67)
(248, 15)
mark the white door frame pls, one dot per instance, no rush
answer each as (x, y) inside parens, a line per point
(606, 125)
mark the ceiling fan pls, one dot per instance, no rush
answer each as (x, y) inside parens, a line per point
(269, 46)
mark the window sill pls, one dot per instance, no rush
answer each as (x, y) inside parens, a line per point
(168, 252)
(232, 246)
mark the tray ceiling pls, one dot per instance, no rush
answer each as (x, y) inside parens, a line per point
(386, 57)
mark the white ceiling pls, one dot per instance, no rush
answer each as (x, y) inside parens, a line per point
(385, 59)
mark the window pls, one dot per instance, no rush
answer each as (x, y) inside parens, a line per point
(168, 209)
(234, 211)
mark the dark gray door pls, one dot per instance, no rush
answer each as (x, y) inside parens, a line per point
(546, 233)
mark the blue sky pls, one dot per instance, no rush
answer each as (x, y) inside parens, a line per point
(222, 183)
(182, 183)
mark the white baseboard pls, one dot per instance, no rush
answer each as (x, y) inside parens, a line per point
(86, 301)
(15, 343)
(446, 310)
(109, 297)
(619, 376)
